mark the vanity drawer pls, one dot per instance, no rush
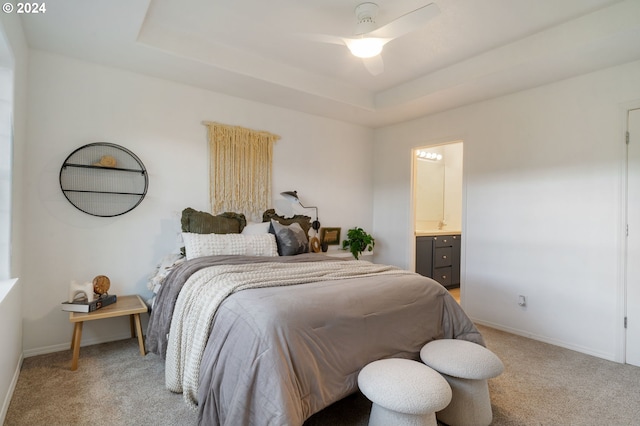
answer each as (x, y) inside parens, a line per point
(442, 275)
(444, 241)
(442, 257)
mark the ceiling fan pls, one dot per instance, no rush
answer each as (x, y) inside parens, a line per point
(368, 41)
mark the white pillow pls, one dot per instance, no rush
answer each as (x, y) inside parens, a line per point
(199, 245)
(254, 228)
(167, 264)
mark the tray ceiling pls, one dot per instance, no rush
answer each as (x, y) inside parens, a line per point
(262, 51)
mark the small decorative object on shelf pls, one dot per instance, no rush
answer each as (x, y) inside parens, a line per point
(314, 244)
(82, 305)
(89, 296)
(101, 284)
(358, 241)
(106, 161)
(330, 236)
(76, 290)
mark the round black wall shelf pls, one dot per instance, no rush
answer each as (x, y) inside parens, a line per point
(103, 179)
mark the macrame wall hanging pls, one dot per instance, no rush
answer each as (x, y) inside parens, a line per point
(240, 169)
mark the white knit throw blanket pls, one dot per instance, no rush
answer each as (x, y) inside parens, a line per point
(205, 290)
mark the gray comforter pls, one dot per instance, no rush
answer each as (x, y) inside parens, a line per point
(277, 355)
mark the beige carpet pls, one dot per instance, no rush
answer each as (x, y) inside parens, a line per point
(542, 385)
(548, 385)
(113, 385)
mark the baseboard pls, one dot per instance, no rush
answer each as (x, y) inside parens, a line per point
(544, 339)
(67, 346)
(12, 388)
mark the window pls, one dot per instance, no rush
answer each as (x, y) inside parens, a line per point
(6, 137)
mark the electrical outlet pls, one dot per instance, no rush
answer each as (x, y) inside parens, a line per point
(522, 301)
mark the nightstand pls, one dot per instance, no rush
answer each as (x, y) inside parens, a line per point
(125, 305)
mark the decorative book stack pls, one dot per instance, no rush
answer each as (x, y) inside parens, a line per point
(82, 305)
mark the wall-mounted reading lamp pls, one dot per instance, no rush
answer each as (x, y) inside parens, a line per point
(293, 197)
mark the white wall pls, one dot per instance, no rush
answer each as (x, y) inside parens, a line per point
(453, 163)
(11, 338)
(543, 175)
(72, 103)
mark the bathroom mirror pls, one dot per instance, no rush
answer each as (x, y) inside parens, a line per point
(438, 187)
(429, 186)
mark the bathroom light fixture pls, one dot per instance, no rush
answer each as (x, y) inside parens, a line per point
(293, 197)
(427, 155)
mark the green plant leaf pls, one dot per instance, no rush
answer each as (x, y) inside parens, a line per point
(358, 240)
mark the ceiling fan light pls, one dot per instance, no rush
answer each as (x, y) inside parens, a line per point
(366, 47)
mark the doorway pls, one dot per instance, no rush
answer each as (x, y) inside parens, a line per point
(437, 213)
(632, 314)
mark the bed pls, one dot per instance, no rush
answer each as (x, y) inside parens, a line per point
(262, 339)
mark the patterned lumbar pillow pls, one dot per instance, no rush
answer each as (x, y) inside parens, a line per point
(291, 239)
(199, 245)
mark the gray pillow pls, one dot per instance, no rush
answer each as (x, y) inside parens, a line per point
(290, 239)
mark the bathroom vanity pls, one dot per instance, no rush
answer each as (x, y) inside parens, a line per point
(438, 256)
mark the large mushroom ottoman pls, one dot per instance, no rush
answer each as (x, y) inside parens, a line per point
(466, 366)
(403, 392)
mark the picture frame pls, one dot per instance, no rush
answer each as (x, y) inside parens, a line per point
(330, 236)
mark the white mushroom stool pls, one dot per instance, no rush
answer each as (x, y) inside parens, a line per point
(466, 366)
(403, 392)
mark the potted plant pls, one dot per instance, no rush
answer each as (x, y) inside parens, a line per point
(358, 241)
